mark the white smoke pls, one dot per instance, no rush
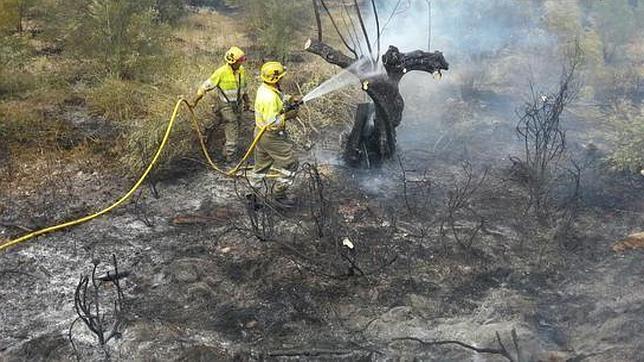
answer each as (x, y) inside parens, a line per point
(499, 45)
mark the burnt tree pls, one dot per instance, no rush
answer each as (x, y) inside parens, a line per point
(380, 76)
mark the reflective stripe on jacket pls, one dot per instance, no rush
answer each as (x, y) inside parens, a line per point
(230, 83)
(269, 107)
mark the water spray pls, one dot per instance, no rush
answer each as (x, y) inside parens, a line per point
(361, 69)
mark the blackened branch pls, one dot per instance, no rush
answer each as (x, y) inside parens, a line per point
(377, 19)
(363, 27)
(318, 21)
(502, 351)
(337, 29)
(328, 53)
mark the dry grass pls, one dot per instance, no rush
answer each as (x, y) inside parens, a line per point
(33, 121)
(141, 110)
(119, 100)
(210, 32)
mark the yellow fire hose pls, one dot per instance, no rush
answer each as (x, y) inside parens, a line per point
(164, 141)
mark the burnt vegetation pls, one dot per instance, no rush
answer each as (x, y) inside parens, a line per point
(322, 242)
(478, 223)
(543, 137)
(102, 315)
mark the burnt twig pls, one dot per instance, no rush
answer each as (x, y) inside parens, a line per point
(544, 140)
(501, 350)
(87, 305)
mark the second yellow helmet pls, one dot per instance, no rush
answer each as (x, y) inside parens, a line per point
(272, 72)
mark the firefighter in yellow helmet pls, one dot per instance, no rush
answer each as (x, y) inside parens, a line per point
(230, 82)
(274, 151)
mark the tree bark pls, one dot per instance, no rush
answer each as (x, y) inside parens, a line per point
(379, 140)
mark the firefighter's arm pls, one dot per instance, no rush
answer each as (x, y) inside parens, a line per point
(210, 84)
(275, 114)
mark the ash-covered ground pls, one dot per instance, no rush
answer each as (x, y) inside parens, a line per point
(444, 249)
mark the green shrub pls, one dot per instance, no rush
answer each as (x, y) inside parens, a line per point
(120, 37)
(277, 23)
(169, 11)
(13, 13)
(628, 151)
(14, 53)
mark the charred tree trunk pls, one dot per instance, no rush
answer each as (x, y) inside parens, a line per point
(380, 139)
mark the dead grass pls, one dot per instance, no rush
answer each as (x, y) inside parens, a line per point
(141, 110)
(119, 100)
(28, 170)
(31, 122)
(211, 33)
(15, 82)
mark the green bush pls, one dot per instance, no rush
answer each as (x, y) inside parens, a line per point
(14, 53)
(169, 11)
(120, 37)
(277, 23)
(628, 151)
(13, 14)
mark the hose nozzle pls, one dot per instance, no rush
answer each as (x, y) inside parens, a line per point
(291, 106)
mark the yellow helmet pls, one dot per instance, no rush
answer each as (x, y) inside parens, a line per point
(234, 55)
(272, 72)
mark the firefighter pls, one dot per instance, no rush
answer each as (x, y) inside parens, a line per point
(231, 82)
(275, 151)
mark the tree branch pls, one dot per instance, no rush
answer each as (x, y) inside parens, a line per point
(375, 14)
(347, 19)
(329, 54)
(364, 28)
(318, 21)
(335, 26)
